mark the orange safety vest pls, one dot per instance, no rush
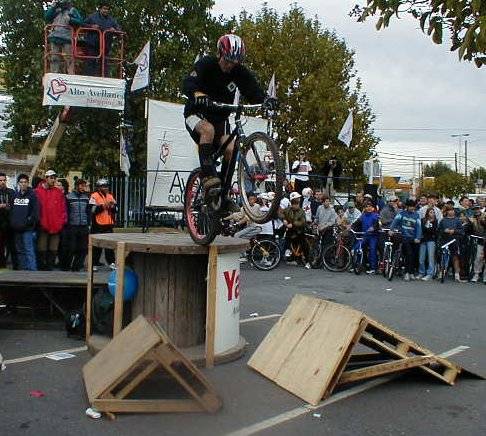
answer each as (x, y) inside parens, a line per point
(107, 217)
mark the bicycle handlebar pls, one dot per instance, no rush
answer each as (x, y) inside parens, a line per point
(477, 237)
(449, 243)
(235, 107)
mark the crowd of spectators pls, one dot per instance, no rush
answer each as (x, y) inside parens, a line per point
(423, 224)
(44, 226)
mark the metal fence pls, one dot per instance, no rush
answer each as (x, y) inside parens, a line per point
(130, 193)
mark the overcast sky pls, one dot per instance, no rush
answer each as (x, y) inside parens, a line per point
(411, 82)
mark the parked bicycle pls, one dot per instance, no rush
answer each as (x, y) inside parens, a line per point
(336, 257)
(474, 242)
(357, 253)
(445, 259)
(264, 252)
(258, 160)
(395, 256)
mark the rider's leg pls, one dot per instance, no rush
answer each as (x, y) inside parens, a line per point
(227, 154)
(205, 130)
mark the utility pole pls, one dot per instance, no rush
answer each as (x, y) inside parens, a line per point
(465, 157)
(414, 184)
(459, 136)
(455, 160)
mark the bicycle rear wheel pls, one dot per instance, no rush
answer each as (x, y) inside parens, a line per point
(336, 258)
(265, 255)
(203, 223)
(260, 171)
(394, 267)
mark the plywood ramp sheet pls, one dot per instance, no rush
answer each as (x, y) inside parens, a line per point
(305, 350)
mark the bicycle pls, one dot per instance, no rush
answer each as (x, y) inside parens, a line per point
(337, 257)
(445, 259)
(264, 253)
(357, 252)
(386, 259)
(474, 241)
(259, 161)
(396, 262)
(315, 241)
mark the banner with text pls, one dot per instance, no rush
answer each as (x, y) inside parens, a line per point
(172, 154)
(83, 91)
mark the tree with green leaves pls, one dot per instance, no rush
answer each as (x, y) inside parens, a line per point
(465, 20)
(315, 72)
(436, 169)
(453, 185)
(178, 30)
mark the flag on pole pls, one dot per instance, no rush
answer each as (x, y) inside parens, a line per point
(124, 159)
(346, 133)
(142, 75)
(272, 89)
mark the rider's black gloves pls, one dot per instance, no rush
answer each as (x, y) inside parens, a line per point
(202, 102)
(270, 104)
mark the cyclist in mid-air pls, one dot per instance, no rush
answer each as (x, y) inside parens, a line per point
(216, 79)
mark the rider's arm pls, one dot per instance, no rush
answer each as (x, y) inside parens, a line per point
(249, 86)
(192, 82)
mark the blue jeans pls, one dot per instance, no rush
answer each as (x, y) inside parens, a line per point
(372, 243)
(25, 247)
(427, 249)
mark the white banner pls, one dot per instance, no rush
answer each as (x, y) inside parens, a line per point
(142, 75)
(83, 91)
(172, 154)
(346, 133)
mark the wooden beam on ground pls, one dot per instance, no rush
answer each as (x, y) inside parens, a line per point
(384, 368)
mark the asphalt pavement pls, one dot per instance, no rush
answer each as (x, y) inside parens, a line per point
(439, 316)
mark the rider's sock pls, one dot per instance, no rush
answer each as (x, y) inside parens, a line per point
(206, 160)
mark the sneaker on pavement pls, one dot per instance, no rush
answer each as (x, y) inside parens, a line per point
(307, 265)
(95, 268)
(458, 279)
(420, 277)
(427, 278)
(287, 253)
(475, 278)
(371, 271)
(407, 277)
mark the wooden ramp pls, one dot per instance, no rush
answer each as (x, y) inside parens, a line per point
(131, 357)
(309, 350)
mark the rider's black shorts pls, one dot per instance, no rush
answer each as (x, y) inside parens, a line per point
(221, 128)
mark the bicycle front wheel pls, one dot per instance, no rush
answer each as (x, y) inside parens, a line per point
(265, 255)
(336, 258)
(203, 223)
(260, 171)
(358, 262)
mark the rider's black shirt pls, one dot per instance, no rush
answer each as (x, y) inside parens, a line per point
(207, 77)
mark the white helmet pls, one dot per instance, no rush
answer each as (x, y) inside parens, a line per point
(294, 195)
(102, 182)
(271, 195)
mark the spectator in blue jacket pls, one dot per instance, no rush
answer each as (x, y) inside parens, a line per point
(369, 223)
(408, 223)
(24, 215)
(451, 228)
(101, 20)
(77, 232)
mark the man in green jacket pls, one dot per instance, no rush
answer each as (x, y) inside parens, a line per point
(294, 221)
(62, 16)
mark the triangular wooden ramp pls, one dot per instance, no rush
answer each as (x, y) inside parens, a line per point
(131, 357)
(309, 351)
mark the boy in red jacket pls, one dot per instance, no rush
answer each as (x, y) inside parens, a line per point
(53, 217)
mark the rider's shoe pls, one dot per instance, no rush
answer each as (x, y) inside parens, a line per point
(211, 182)
(475, 278)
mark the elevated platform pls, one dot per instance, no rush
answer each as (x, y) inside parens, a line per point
(50, 279)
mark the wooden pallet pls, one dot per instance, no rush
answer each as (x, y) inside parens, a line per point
(136, 353)
(309, 350)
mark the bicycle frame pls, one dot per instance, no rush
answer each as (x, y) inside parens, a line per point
(237, 135)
